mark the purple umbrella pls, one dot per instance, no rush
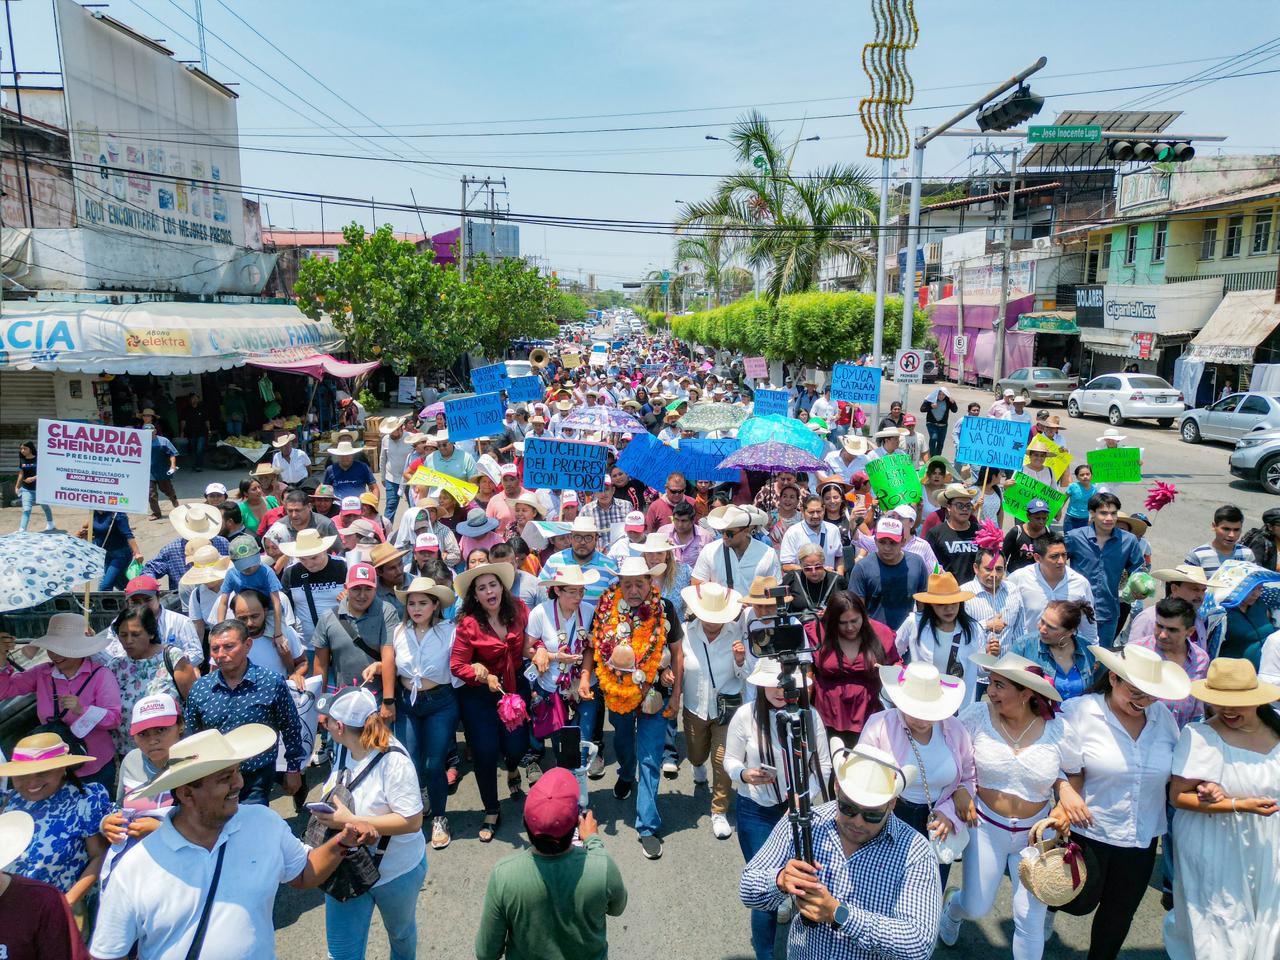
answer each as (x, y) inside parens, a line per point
(610, 419)
(429, 411)
(771, 457)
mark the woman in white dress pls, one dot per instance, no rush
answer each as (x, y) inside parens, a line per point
(1226, 835)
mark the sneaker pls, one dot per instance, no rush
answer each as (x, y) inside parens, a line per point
(622, 789)
(948, 926)
(652, 847)
(440, 836)
(670, 769)
(596, 770)
(533, 774)
(700, 773)
(720, 827)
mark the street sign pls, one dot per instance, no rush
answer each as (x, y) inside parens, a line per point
(1065, 133)
(909, 367)
(959, 344)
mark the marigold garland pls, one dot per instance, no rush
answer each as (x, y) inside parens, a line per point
(621, 692)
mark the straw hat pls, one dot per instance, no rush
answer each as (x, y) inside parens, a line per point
(390, 425)
(504, 571)
(477, 524)
(825, 480)
(943, 589)
(528, 498)
(572, 575)
(759, 592)
(385, 553)
(207, 752)
(283, 440)
(307, 544)
(415, 438)
(40, 752)
(1229, 683)
(1053, 420)
(655, 543)
(344, 449)
(583, 524)
(360, 527)
(888, 432)
(196, 521)
(954, 491)
(208, 566)
(263, 470)
(1039, 444)
(729, 517)
(16, 830)
(1135, 523)
(443, 594)
(868, 776)
(1146, 670)
(65, 636)
(919, 691)
(637, 567)
(1182, 573)
(712, 603)
(1019, 670)
(1111, 433)
(768, 673)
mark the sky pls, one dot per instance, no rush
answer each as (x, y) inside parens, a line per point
(411, 78)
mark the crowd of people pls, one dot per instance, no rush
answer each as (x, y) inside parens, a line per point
(961, 693)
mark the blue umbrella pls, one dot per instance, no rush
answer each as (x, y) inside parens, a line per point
(783, 430)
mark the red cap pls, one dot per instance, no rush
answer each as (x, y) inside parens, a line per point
(551, 809)
(362, 575)
(142, 584)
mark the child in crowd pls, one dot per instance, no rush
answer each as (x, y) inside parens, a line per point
(249, 572)
(1078, 494)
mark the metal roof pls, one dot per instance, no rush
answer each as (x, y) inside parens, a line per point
(1095, 154)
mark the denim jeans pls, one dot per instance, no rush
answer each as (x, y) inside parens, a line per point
(916, 816)
(590, 717)
(638, 739)
(669, 749)
(234, 427)
(393, 498)
(115, 569)
(1070, 523)
(488, 737)
(195, 447)
(755, 823)
(427, 730)
(28, 497)
(937, 437)
(346, 923)
(258, 784)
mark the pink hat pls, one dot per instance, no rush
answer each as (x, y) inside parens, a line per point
(509, 470)
(362, 575)
(634, 521)
(569, 498)
(142, 584)
(427, 541)
(551, 809)
(157, 710)
(889, 528)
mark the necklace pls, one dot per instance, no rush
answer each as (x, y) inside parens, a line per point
(1015, 742)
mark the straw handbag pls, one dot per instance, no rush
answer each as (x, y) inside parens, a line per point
(1054, 870)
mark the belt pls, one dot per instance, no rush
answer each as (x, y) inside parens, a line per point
(1008, 828)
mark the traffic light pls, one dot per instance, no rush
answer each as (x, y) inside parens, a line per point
(1159, 151)
(1017, 107)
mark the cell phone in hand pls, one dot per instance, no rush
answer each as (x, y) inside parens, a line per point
(772, 771)
(322, 807)
(570, 753)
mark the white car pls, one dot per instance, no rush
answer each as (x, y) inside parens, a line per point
(599, 355)
(1128, 396)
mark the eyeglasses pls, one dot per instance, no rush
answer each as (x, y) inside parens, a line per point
(680, 491)
(850, 809)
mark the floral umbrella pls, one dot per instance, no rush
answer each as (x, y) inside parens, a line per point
(704, 417)
(783, 430)
(771, 457)
(35, 567)
(611, 419)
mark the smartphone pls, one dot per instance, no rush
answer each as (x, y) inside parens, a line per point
(570, 753)
(772, 771)
(322, 807)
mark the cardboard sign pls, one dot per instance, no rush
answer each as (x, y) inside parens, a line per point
(1116, 465)
(649, 460)
(894, 481)
(1023, 489)
(564, 465)
(991, 442)
(460, 490)
(491, 379)
(1058, 460)
(757, 368)
(474, 415)
(771, 403)
(92, 466)
(701, 457)
(855, 384)
(525, 390)
(571, 360)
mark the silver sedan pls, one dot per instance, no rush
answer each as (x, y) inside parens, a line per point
(1231, 418)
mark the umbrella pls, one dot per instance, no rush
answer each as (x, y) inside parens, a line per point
(35, 567)
(430, 410)
(783, 430)
(713, 416)
(771, 457)
(611, 419)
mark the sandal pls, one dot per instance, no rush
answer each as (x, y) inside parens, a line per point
(490, 826)
(440, 836)
(514, 785)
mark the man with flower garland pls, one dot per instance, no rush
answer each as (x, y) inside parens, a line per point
(634, 649)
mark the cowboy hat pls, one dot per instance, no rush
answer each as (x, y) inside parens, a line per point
(1229, 683)
(65, 636)
(504, 571)
(529, 499)
(16, 830)
(263, 470)
(208, 566)
(920, 692)
(636, 567)
(196, 521)
(344, 449)
(583, 524)
(1135, 523)
(369, 499)
(385, 553)
(1182, 573)
(1019, 670)
(1111, 433)
(207, 752)
(768, 673)
(759, 592)
(477, 524)
(1146, 670)
(390, 425)
(1040, 444)
(825, 480)
(1053, 420)
(414, 438)
(729, 517)
(360, 527)
(308, 543)
(655, 543)
(283, 441)
(954, 491)
(943, 589)
(868, 776)
(888, 432)
(40, 752)
(572, 575)
(440, 591)
(712, 603)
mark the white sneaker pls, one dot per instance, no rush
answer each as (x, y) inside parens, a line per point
(720, 827)
(700, 773)
(948, 926)
(596, 770)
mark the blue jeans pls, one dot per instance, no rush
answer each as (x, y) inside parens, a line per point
(488, 737)
(587, 715)
(234, 427)
(258, 784)
(195, 447)
(937, 437)
(28, 497)
(638, 738)
(755, 823)
(669, 751)
(393, 498)
(1070, 523)
(427, 729)
(916, 816)
(346, 923)
(115, 569)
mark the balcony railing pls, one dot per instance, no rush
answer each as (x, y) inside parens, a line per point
(1235, 282)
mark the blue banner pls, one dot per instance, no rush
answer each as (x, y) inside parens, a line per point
(525, 390)
(491, 379)
(771, 403)
(649, 460)
(701, 456)
(564, 465)
(475, 415)
(854, 384)
(991, 442)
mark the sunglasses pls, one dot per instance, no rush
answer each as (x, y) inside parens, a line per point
(850, 809)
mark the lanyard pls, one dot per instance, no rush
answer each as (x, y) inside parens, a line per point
(575, 624)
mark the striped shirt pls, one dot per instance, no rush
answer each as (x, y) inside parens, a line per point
(1209, 560)
(1197, 666)
(1005, 604)
(607, 568)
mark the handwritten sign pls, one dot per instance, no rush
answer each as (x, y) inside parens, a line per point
(1058, 460)
(571, 360)
(525, 390)
(460, 490)
(701, 457)
(990, 442)
(473, 415)
(491, 379)
(564, 465)
(894, 481)
(757, 368)
(1116, 465)
(771, 403)
(91, 466)
(649, 460)
(1023, 489)
(855, 384)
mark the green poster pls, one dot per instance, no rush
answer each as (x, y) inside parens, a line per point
(1023, 489)
(894, 481)
(1116, 465)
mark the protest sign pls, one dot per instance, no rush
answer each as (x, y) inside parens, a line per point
(491, 379)
(570, 360)
(855, 384)
(649, 460)
(1116, 465)
(701, 456)
(460, 490)
(991, 442)
(525, 390)
(1022, 489)
(757, 368)
(771, 402)
(93, 466)
(894, 481)
(474, 415)
(1058, 460)
(564, 465)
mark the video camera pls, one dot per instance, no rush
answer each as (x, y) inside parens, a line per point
(780, 635)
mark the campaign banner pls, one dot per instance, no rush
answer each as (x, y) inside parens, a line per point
(855, 384)
(757, 368)
(701, 457)
(1022, 489)
(491, 379)
(992, 442)
(461, 491)
(894, 481)
(93, 466)
(1116, 465)
(525, 389)
(564, 465)
(771, 402)
(474, 415)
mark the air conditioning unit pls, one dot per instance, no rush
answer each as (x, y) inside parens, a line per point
(1042, 243)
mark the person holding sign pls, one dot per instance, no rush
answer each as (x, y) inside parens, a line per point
(1103, 553)
(449, 460)
(1035, 467)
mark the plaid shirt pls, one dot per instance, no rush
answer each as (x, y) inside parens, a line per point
(889, 886)
(171, 561)
(606, 517)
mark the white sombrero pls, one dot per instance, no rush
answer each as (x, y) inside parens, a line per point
(712, 603)
(16, 830)
(921, 692)
(1146, 670)
(196, 521)
(208, 752)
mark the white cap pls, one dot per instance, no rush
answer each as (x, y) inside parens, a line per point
(350, 505)
(427, 541)
(353, 707)
(890, 528)
(508, 470)
(634, 521)
(215, 487)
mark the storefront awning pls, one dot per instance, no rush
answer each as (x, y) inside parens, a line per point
(1113, 343)
(1048, 321)
(1241, 322)
(320, 365)
(158, 337)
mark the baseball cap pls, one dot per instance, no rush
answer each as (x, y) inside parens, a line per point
(350, 505)
(551, 809)
(215, 487)
(142, 584)
(362, 574)
(352, 706)
(1008, 392)
(508, 470)
(324, 490)
(245, 553)
(157, 710)
(904, 510)
(634, 521)
(427, 541)
(570, 497)
(360, 528)
(1037, 506)
(889, 528)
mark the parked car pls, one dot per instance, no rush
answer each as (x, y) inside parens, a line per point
(1038, 384)
(929, 374)
(1231, 417)
(1256, 458)
(1127, 396)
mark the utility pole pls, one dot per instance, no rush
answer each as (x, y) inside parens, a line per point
(483, 183)
(998, 372)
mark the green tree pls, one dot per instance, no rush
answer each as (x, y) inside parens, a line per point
(507, 300)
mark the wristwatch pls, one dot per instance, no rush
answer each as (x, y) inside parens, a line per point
(388, 701)
(841, 917)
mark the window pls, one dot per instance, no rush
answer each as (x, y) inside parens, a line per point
(1235, 236)
(1149, 383)
(1043, 373)
(1209, 240)
(1262, 221)
(1131, 245)
(1106, 252)
(1104, 383)
(1225, 405)
(1255, 405)
(1019, 374)
(1161, 242)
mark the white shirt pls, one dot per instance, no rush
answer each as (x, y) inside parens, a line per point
(824, 408)
(1125, 780)
(546, 623)
(758, 560)
(262, 853)
(263, 651)
(622, 548)
(933, 648)
(939, 768)
(742, 752)
(202, 603)
(1028, 773)
(710, 668)
(827, 536)
(1045, 475)
(1035, 593)
(426, 657)
(835, 460)
(294, 469)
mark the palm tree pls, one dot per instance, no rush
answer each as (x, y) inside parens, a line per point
(786, 223)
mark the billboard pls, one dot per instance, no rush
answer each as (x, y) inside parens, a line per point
(151, 140)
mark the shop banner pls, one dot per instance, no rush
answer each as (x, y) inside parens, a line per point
(855, 384)
(992, 442)
(894, 481)
(564, 465)
(771, 403)
(1022, 489)
(757, 368)
(406, 387)
(92, 466)
(460, 490)
(491, 379)
(525, 389)
(702, 457)
(1116, 465)
(475, 415)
